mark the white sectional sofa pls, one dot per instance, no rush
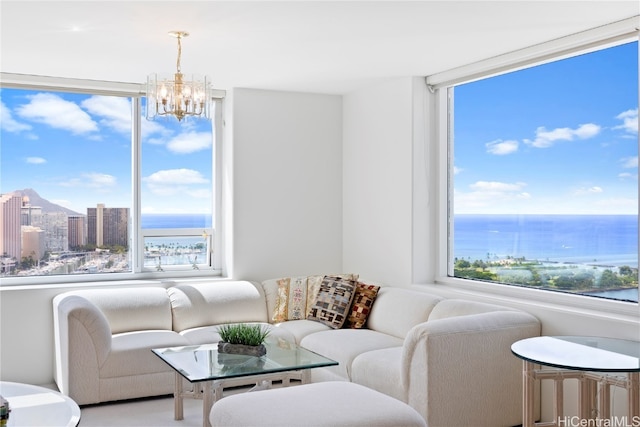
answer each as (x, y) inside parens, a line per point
(438, 355)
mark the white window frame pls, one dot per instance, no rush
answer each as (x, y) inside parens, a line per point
(588, 41)
(213, 265)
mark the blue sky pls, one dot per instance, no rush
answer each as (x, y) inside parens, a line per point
(560, 138)
(75, 150)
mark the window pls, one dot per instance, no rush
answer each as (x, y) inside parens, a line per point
(89, 186)
(543, 188)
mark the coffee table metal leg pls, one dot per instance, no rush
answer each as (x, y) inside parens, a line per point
(177, 398)
(208, 399)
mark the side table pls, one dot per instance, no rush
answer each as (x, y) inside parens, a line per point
(33, 406)
(593, 361)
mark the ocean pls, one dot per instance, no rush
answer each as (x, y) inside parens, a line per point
(176, 220)
(600, 239)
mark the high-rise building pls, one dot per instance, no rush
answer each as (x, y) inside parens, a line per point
(32, 242)
(77, 226)
(108, 226)
(28, 211)
(10, 240)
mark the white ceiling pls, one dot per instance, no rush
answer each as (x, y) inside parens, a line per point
(321, 46)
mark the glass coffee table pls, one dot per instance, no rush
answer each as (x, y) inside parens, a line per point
(211, 372)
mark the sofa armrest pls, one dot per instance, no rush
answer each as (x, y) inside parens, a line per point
(82, 338)
(467, 359)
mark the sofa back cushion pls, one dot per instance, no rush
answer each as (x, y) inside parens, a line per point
(131, 309)
(397, 310)
(214, 303)
(458, 307)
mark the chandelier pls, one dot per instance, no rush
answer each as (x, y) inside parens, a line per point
(175, 95)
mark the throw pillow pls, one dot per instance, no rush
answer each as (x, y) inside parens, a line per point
(313, 286)
(291, 302)
(333, 301)
(363, 300)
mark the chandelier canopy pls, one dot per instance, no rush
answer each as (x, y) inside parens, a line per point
(175, 95)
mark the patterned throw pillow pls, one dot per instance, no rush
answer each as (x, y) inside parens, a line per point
(291, 302)
(363, 300)
(333, 302)
(313, 286)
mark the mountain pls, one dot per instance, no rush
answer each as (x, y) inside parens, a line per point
(47, 206)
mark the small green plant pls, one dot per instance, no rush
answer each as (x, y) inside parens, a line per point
(242, 333)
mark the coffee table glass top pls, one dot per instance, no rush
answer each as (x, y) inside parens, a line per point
(581, 353)
(204, 363)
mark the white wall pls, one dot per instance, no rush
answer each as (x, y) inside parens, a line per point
(287, 184)
(377, 186)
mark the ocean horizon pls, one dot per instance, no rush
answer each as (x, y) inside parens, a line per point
(176, 220)
(581, 239)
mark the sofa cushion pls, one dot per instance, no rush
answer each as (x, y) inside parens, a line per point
(326, 404)
(301, 328)
(365, 295)
(380, 370)
(344, 345)
(458, 307)
(215, 303)
(131, 309)
(131, 353)
(333, 302)
(397, 310)
(210, 334)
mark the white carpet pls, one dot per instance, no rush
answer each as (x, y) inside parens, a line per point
(152, 412)
(156, 412)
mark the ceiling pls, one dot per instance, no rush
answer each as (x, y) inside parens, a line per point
(323, 46)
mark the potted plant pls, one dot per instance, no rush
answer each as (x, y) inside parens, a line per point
(242, 338)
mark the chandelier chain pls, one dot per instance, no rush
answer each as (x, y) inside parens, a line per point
(179, 52)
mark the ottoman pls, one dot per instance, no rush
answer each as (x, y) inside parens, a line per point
(326, 404)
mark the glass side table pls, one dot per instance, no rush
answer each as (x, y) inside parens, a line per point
(596, 362)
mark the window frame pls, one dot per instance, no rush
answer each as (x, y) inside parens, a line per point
(439, 86)
(136, 92)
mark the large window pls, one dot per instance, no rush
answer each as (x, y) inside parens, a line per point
(543, 175)
(89, 186)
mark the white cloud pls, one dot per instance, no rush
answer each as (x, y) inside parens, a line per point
(175, 181)
(589, 190)
(545, 138)
(500, 147)
(629, 162)
(497, 187)
(8, 123)
(114, 111)
(190, 142)
(58, 113)
(153, 128)
(486, 194)
(457, 170)
(91, 180)
(36, 160)
(629, 121)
